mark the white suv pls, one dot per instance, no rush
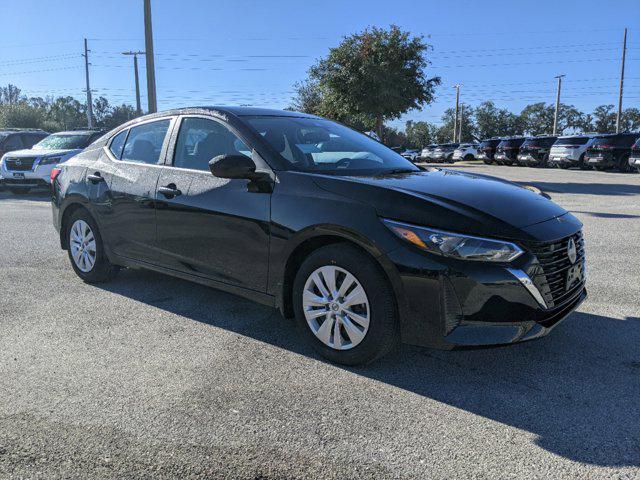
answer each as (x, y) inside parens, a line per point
(466, 151)
(22, 170)
(569, 151)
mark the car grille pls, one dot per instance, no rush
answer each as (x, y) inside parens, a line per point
(550, 273)
(21, 164)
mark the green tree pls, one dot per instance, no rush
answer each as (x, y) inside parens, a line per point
(604, 119)
(372, 76)
(491, 121)
(10, 94)
(420, 134)
(537, 118)
(630, 120)
(20, 115)
(444, 134)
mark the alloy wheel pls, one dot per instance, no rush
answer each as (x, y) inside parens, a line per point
(336, 307)
(82, 243)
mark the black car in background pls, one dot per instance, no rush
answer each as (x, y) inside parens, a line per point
(611, 151)
(507, 150)
(534, 151)
(17, 139)
(487, 150)
(324, 223)
(634, 159)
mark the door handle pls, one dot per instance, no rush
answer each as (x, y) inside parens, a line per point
(169, 191)
(95, 178)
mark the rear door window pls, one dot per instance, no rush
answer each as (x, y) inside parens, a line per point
(117, 143)
(144, 142)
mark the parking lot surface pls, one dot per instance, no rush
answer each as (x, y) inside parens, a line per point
(150, 376)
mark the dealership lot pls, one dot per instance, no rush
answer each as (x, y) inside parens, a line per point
(153, 376)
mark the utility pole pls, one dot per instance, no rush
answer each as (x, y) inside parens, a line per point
(151, 72)
(135, 72)
(455, 119)
(461, 122)
(555, 116)
(624, 54)
(89, 100)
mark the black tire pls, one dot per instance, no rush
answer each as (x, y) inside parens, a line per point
(581, 164)
(544, 163)
(20, 191)
(469, 158)
(488, 162)
(623, 164)
(564, 166)
(382, 333)
(600, 168)
(103, 270)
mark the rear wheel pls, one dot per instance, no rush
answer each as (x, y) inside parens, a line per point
(344, 305)
(623, 164)
(488, 162)
(600, 168)
(86, 250)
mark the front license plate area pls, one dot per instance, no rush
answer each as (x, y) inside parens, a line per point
(18, 175)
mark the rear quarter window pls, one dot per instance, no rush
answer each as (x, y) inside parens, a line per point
(117, 144)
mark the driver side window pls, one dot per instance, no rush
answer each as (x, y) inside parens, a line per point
(201, 139)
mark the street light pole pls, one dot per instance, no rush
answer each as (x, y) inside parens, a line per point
(555, 116)
(89, 100)
(455, 119)
(624, 54)
(151, 72)
(135, 72)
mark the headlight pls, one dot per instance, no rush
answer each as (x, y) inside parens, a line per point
(455, 245)
(49, 160)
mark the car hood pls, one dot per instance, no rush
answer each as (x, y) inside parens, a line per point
(451, 200)
(44, 152)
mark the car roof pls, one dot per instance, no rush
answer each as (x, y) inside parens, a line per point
(78, 132)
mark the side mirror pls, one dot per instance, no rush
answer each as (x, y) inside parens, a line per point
(233, 166)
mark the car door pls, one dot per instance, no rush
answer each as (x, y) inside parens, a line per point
(130, 218)
(207, 226)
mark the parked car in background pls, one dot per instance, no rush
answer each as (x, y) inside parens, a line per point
(17, 139)
(22, 170)
(426, 155)
(443, 153)
(534, 151)
(487, 149)
(507, 150)
(411, 155)
(569, 150)
(634, 159)
(360, 246)
(611, 151)
(465, 151)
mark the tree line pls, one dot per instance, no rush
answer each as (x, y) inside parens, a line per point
(54, 114)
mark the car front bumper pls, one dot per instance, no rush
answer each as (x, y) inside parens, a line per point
(39, 177)
(447, 303)
(634, 161)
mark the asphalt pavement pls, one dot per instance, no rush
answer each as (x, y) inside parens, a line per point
(153, 377)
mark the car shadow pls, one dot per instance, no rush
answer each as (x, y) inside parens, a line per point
(577, 390)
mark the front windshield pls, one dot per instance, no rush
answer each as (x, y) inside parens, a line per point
(322, 146)
(63, 142)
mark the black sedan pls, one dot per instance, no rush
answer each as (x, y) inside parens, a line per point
(358, 244)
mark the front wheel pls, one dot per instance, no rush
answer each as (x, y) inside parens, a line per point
(86, 249)
(344, 305)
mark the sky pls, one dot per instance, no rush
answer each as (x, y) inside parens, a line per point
(226, 52)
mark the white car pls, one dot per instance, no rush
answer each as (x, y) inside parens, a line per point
(466, 151)
(22, 170)
(569, 151)
(411, 155)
